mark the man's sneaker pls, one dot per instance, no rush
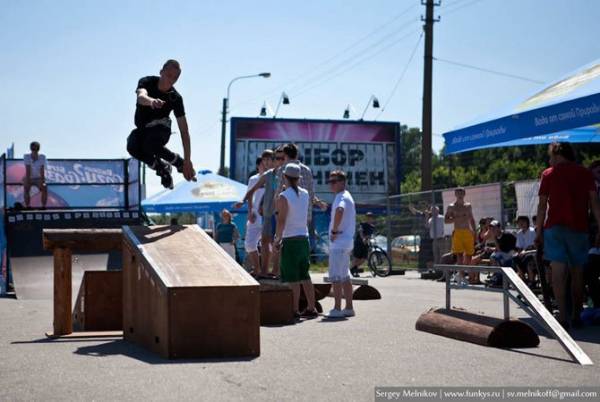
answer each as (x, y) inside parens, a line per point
(178, 163)
(163, 171)
(309, 314)
(334, 313)
(354, 272)
(348, 312)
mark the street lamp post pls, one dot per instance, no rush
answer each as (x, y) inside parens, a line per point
(224, 117)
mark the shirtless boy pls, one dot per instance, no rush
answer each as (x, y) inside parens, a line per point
(460, 214)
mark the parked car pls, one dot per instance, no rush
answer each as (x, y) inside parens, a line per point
(405, 248)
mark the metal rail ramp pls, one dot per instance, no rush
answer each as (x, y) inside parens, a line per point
(533, 306)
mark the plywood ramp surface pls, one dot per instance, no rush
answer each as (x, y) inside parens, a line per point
(185, 256)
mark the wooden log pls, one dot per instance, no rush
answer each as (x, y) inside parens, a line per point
(83, 240)
(366, 292)
(479, 329)
(63, 320)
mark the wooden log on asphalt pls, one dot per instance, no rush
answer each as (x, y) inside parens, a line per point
(366, 292)
(478, 329)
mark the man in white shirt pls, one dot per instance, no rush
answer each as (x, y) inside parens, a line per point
(254, 223)
(525, 242)
(436, 232)
(341, 241)
(35, 174)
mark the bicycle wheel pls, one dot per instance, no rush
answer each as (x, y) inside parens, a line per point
(380, 263)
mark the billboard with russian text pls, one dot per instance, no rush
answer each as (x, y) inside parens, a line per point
(367, 151)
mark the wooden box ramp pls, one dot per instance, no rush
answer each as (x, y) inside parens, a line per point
(99, 304)
(185, 297)
(276, 304)
(479, 329)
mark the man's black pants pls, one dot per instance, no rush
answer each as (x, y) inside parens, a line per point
(148, 144)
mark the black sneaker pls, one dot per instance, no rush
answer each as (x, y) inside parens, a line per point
(309, 314)
(164, 172)
(178, 163)
(354, 272)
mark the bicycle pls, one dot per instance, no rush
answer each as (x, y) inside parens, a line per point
(378, 260)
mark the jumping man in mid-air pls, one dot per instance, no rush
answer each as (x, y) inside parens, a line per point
(156, 98)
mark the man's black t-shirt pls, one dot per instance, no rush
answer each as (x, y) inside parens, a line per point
(507, 242)
(367, 230)
(172, 98)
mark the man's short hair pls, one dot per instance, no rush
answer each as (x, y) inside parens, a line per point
(459, 189)
(172, 63)
(291, 150)
(267, 154)
(563, 149)
(523, 218)
(258, 161)
(34, 144)
(338, 174)
(279, 149)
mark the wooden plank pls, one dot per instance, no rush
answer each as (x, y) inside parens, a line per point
(83, 240)
(548, 319)
(63, 320)
(354, 281)
(176, 252)
(86, 334)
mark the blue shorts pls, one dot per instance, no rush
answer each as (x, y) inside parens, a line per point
(565, 245)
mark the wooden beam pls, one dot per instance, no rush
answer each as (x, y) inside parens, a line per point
(83, 240)
(63, 320)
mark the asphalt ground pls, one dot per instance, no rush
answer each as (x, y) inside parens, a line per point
(316, 360)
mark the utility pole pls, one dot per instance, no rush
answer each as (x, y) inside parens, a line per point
(426, 146)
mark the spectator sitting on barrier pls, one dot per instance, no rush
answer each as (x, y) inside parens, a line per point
(291, 238)
(360, 252)
(567, 190)
(504, 252)
(226, 233)
(486, 242)
(35, 174)
(525, 243)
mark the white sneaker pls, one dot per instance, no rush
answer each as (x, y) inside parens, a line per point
(334, 313)
(348, 312)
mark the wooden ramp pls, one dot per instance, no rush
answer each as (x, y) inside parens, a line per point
(184, 296)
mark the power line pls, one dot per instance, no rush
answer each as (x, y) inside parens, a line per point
(487, 70)
(328, 78)
(460, 6)
(401, 77)
(312, 73)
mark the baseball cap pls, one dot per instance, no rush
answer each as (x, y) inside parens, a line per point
(292, 170)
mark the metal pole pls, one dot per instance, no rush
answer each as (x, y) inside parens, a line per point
(447, 276)
(223, 131)
(505, 297)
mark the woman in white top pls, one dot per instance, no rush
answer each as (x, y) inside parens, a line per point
(292, 238)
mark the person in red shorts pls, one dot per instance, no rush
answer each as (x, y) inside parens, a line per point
(567, 190)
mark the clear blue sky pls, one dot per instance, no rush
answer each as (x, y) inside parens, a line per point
(69, 68)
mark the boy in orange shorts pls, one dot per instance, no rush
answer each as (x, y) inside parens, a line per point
(460, 214)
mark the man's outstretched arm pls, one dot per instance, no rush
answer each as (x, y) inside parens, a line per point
(188, 168)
